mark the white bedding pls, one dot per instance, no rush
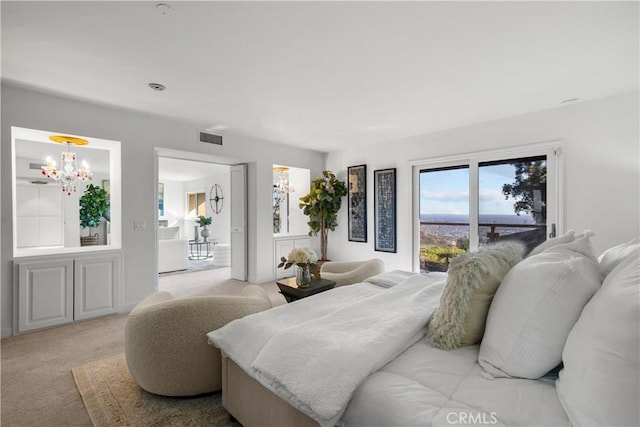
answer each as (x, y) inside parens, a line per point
(426, 386)
(297, 351)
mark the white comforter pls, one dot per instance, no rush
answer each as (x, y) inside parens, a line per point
(315, 352)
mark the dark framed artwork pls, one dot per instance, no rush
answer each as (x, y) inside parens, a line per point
(357, 202)
(384, 201)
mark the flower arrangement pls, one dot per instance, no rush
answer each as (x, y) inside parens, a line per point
(202, 220)
(302, 257)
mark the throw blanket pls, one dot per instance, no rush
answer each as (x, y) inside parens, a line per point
(315, 352)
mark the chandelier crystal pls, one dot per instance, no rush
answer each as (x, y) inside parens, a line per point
(70, 173)
(282, 186)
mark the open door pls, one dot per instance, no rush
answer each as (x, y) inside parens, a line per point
(239, 222)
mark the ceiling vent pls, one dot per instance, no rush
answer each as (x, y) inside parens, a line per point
(210, 138)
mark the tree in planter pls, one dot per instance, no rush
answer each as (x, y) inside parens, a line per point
(321, 205)
(93, 204)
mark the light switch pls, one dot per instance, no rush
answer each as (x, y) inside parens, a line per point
(139, 225)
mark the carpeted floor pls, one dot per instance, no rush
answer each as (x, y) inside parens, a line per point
(112, 398)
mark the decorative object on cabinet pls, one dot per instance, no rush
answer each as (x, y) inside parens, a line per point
(70, 172)
(204, 222)
(321, 205)
(93, 204)
(357, 202)
(384, 184)
(216, 198)
(303, 259)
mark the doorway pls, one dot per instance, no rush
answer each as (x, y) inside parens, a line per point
(194, 218)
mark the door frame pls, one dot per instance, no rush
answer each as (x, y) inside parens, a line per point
(189, 156)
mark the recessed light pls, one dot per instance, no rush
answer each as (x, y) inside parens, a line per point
(165, 9)
(157, 86)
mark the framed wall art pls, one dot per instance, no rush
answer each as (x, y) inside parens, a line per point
(357, 202)
(384, 201)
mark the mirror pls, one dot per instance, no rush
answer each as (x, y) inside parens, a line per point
(46, 219)
(289, 184)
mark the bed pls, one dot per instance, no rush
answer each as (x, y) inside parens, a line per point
(363, 355)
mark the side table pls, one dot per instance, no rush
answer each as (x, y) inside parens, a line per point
(291, 292)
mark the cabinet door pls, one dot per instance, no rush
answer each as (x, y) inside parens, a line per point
(45, 294)
(97, 286)
(302, 242)
(283, 247)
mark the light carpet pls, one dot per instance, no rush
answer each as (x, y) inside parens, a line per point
(112, 398)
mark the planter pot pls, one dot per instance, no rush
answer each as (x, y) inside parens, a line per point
(89, 240)
(205, 233)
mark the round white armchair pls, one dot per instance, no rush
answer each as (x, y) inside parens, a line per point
(166, 346)
(348, 273)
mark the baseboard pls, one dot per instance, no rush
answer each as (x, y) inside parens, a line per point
(6, 332)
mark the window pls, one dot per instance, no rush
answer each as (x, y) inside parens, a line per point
(471, 201)
(196, 205)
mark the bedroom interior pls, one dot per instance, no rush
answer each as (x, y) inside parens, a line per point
(394, 91)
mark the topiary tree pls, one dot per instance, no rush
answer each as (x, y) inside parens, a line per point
(93, 204)
(321, 205)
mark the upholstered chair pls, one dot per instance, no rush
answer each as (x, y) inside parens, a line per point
(348, 273)
(166, 346)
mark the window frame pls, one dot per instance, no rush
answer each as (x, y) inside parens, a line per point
(553, 150)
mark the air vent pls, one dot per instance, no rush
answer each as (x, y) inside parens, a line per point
(210, 138)
(35, 166)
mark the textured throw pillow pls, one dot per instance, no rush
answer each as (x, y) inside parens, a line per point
(534, 309)
(567, 237)
(600, 382)
(472, 281)
(615, 255)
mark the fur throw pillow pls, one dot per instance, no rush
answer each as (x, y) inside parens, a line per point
(472, 281)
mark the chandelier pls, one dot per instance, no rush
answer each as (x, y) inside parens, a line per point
(282, 186)
(70, 173)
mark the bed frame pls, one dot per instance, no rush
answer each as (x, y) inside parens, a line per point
(251, 404)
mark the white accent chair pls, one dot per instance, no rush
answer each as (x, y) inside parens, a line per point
(173, 252)
(166, 343)
(348, 273)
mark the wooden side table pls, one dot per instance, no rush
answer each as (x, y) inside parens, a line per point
(291, 292)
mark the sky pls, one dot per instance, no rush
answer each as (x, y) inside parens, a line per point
(447, 191)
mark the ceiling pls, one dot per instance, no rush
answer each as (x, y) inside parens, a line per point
(324, 75)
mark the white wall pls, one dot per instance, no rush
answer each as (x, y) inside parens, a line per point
(140, 134)
(220, 223)
(601, 170)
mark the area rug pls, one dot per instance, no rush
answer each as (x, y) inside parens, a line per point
(112, 398)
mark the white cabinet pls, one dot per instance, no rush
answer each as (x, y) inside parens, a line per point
(55, 290)
(282, 247)
(96, 287)
(45, 293)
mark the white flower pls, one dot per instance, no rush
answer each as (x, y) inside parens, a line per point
(302, 256)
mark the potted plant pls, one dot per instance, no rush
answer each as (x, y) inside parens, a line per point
(204, 222)
(93, 204)
(321, 205)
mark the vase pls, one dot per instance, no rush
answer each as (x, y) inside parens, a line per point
(303, 276)
(205, 233)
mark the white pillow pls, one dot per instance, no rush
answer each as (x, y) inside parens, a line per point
(600, 382)
(615, 255)
(567, 237)
(535, 307)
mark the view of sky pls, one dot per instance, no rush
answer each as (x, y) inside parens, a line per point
(447, 191)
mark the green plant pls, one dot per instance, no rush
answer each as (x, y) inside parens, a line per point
(93, 204)
(202, 220)
(321, 205)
